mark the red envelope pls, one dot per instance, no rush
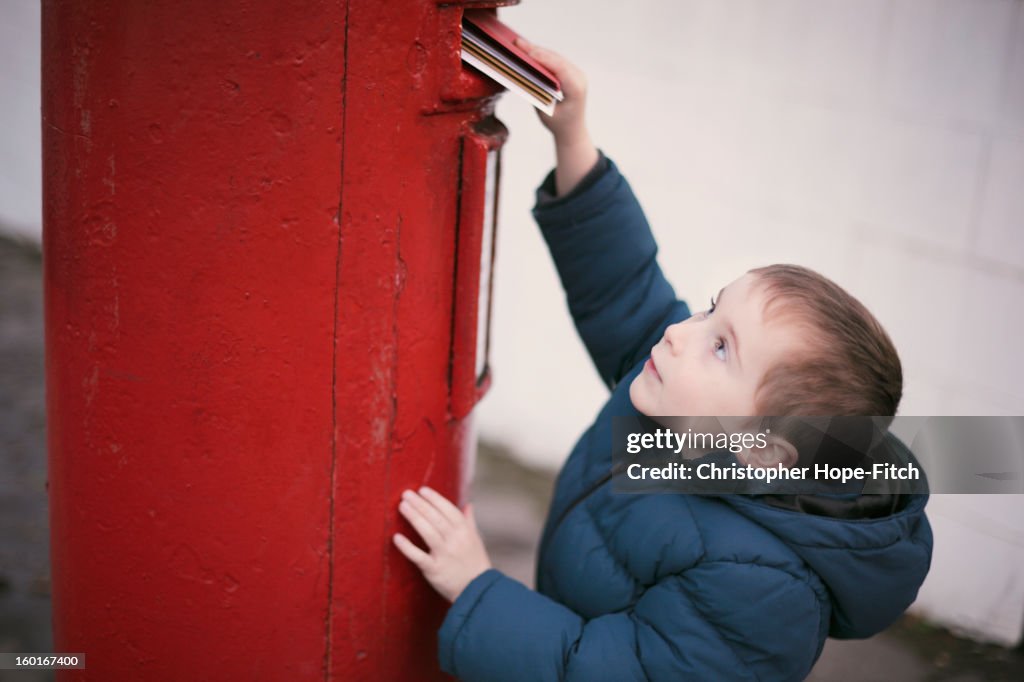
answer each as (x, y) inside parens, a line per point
(503, 37)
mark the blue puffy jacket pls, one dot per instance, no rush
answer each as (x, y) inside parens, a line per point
(670, 587)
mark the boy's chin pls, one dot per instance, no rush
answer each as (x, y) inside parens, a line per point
(637, 397)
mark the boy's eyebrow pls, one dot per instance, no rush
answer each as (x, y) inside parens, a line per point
(732, 332)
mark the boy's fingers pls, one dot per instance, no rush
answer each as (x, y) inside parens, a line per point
(428, 511)
(411, 551)
(567, 72)
(548, 57)
(427, 531)
(552, 60)
(442, 503)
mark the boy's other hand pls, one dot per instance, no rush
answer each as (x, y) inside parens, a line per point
(457, 553)
(567, 122)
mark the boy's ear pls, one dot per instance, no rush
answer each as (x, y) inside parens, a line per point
(776, 451)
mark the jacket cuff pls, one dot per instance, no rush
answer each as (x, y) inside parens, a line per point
(547, 192)
(458, 614)
(605, 189)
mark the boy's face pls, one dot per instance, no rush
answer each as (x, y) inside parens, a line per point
(712, 363)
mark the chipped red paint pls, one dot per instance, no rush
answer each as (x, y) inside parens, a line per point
(250, 266)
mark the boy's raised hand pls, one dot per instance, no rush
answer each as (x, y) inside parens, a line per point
(457, 553)
(567, 122)
(574, 151)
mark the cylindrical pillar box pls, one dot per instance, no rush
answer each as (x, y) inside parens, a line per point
(267, 228)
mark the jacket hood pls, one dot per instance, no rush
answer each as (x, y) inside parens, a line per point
(885, 544)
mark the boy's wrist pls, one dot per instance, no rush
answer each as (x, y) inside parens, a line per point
(572, 138)
(574, 157)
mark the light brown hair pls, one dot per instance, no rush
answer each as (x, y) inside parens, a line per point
(850, 366)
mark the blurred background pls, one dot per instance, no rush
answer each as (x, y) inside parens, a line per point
(880, 142)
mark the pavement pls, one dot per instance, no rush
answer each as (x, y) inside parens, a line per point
(511, 503)
(24, 527)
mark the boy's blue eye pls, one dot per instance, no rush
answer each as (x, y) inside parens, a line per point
(720, 342)
(720, 348)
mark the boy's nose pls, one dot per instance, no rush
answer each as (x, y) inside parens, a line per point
(675, 336)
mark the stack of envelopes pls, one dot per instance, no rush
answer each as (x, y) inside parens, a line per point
(489, 45)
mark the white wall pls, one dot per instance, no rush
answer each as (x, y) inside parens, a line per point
(20, 136)
(880, 142)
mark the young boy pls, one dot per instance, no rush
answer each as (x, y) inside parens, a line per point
(670, 587)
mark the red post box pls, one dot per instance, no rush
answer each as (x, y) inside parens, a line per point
(268, 238)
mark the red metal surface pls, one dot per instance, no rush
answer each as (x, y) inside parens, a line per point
(250, 215)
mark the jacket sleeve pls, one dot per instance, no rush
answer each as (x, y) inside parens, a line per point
(720, 621)
(605, 255)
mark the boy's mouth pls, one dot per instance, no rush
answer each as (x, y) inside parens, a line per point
(650, 367)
